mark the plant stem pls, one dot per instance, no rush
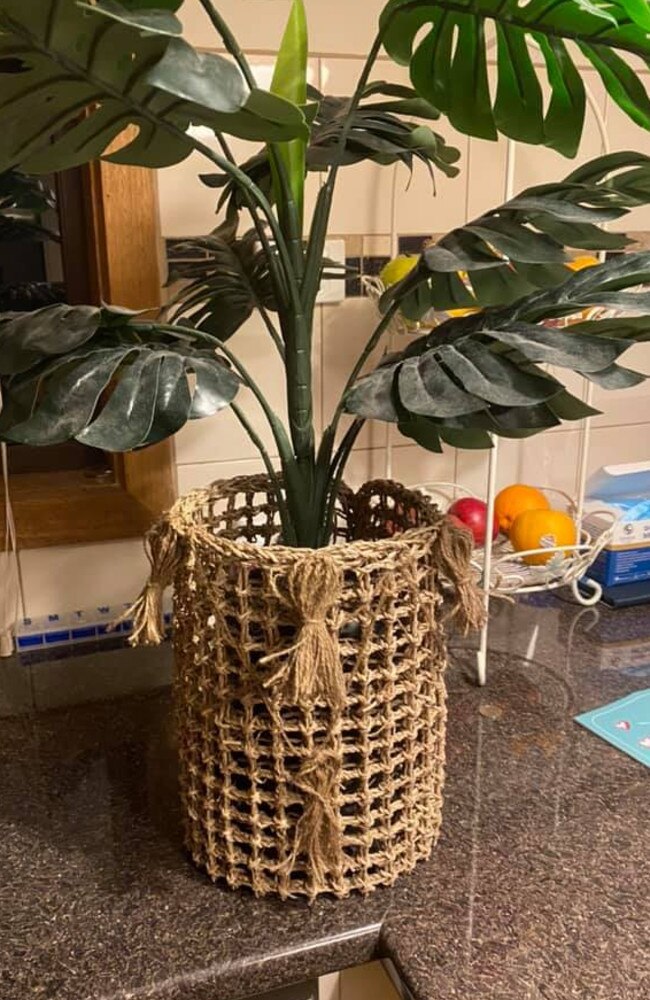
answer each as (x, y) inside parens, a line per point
(337, 468)
(318, 233)
(288, 533)
(229, 40)
(291, 221)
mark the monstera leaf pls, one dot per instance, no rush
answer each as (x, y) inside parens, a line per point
(511, 250)
(382, 131)
(104, 377)
(481, 373)
(226, 283)
(446, 45)
(73, 77)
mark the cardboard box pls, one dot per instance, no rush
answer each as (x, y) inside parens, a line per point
(621, 492)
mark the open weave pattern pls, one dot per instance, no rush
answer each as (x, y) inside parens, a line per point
(309, 687)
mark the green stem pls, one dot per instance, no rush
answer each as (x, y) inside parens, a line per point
(291, 221)
(337, 469)
(288, 534)
(320, 223)
(229, 40)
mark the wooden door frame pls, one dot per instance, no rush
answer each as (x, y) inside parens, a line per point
(111, 250)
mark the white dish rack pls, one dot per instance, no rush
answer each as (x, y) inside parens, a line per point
(510, 574)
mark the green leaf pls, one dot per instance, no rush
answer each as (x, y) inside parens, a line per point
(123, 385)
(379, 133)
(519, 246)
(427, 389)
(202, 78)
(424, 432)
(566, 406)
(29, 337)
(290, 82)
(73, 78)
(493, 378)
(471, 438)
(478, 373)
(125, 421)
(372, 396)
(227, 279)
(445, 44)
(151, 20)
(616, 377)
(73, 394)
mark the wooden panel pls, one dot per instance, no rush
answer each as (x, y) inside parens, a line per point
(64, 508)
(128, 264)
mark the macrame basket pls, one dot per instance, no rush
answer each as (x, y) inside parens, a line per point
(309, 684)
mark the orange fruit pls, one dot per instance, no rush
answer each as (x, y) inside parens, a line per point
(541, 529)
(515, 499)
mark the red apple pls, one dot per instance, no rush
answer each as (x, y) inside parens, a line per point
(473, 515)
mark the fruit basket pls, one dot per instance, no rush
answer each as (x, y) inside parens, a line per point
(515, 572)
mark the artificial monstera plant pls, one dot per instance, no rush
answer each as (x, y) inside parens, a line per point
(81, 80)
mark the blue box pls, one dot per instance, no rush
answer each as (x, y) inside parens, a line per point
(614, 566)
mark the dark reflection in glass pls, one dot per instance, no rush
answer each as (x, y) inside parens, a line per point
(37, 269)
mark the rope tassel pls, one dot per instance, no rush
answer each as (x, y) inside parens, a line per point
(452, 550)
(162, 545)
(311, 669)
(318, 831)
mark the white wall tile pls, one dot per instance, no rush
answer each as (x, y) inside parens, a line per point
(71, 577)
(618, 446)
(346, 329)
(335, 26)
(412, 465)
(202, 474)
(546, 460)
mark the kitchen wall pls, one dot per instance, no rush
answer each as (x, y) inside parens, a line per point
(363, 210)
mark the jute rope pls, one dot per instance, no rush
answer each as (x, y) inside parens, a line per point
(309, 684)
(310, 669)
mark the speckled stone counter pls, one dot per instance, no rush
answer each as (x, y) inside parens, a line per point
(539, 888)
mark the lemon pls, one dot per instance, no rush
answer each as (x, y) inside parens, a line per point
(397, 268)
(585, 260)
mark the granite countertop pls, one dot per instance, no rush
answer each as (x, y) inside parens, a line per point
(538, 890)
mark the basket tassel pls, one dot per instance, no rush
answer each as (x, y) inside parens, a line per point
(318, 831)
(161, 544)
(453, 553)
(311, 669)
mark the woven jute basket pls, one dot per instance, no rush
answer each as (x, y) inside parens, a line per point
(309, 687)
